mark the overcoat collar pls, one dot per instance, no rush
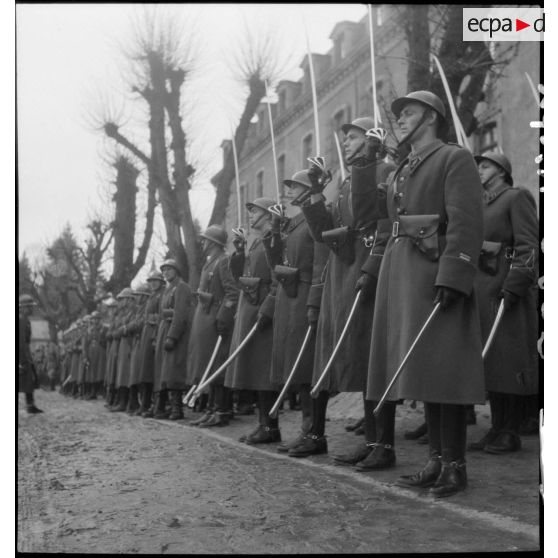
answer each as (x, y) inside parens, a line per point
(295, 222)
(489, 196)
(422, 154)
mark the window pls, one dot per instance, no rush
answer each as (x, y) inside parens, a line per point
(243, 200)
(259, 184)
(281, 172)
(339, 48)
(487, 139)
(282, 101)
(307, 150)
(261, 120)
(379, 16)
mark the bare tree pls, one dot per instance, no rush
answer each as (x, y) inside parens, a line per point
(261, 59)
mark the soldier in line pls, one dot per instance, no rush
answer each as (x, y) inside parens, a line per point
(507, 270)
(141, 294)
(251, 369)
(75, 362)
(93, 356)
(295, 259)
(348, 228)
(214, 316)
(26, 378)
(434, 203)
(53, 364)
(113, 306)
(123, 348)
(156, 283)
(172, 342)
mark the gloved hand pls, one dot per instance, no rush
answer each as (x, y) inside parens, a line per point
(510, 299)
(277, 216)
(315, 175)
(239, 240)
(447, 296)
(312, 316)
(170, 344)
(263, 322)
(367, 284)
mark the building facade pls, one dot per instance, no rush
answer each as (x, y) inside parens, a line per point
(344, 92)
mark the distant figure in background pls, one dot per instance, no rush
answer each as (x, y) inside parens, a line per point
(26, 377)
(52, 364)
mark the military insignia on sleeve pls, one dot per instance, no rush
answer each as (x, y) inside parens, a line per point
(465, 257)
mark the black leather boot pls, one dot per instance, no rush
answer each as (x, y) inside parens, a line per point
(111, 395)
(145, 398)
(160, 411)
(176, 406)
(504, 442)
(360, 453)
(151, 411)
(205, 417)
(310, 445)
(218, 418)
(133, 403)
(416, 433)
(352, 427)
(489, 437)
(452, 479)
(122, 401)
(382, 456)
(264, 435)
(424, 478)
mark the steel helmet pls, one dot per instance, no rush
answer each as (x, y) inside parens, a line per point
(216, 234)
(26, 300)
(156, 276)
(300, 177)
(141, 290)
(125, 293)
(498, 159)
(110, 302)
(262, 203)
(170, 263)
(364, 123)
(424, 97)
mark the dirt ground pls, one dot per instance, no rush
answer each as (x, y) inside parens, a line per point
(90, 481)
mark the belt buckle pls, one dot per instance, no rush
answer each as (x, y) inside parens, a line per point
(369, 240)
(395, 229)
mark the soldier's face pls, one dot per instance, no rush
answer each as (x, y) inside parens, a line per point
(293, 192)
(488, 170)
(353, 142)
(154, 285)
(409, 117)
(258, 217)
(169, 273)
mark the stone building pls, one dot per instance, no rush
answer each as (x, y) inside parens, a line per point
(344, 91)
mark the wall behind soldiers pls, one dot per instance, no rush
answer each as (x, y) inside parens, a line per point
(519, 141)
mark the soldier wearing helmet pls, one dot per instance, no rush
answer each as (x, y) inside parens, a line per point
(251, 369)
(26, 377)
(171, 349)
(296, 259)
(214, 316)
(347, 228)
(135, 327)
(434, 204)
(124, 335)
(508, 267)
(151, 318)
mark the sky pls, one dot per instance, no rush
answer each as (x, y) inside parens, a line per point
(70, 64)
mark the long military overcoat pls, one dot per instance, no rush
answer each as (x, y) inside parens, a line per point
(446, 365)
(26, 378)
(294, 248)
(148, 336)
(136, 327)
(510, 218)
(94, 355)
(252, 367)
(359, 213)
(217, 299)
(176, 313)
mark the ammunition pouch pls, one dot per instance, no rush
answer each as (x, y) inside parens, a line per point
(341, 242)
(289, 278)
(490, 256)
(424, 232)
(168, 314)
(205, 300)
(251, 288)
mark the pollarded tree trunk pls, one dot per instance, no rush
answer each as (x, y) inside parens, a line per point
(224, 178)
(124, 223)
